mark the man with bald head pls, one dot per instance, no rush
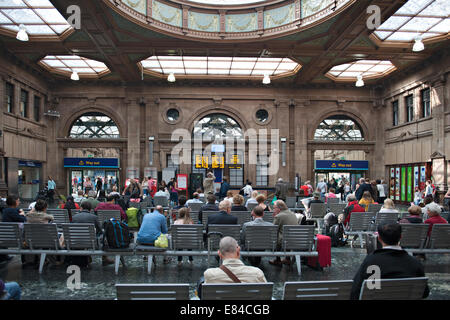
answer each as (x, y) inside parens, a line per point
(229, 252)
(224, 216)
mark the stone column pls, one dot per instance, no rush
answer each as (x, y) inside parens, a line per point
(3, 186)
(282, 122)
(133, 143)
(301, 140)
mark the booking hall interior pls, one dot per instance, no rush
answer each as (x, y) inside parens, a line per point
(97, 88)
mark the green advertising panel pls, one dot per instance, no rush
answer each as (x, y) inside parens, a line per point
(409, 185)
(403, 185)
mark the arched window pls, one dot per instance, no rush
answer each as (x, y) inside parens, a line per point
(339, 128)
(218, 126)
(94, 125)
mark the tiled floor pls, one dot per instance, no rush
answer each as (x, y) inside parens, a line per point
(98, 281)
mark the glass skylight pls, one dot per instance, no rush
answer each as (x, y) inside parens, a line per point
(39, 17)
(69, 64)
(220, 66)
(226, 2)
(428, 18)
(366, 68)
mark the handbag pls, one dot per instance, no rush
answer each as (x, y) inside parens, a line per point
(162, 241)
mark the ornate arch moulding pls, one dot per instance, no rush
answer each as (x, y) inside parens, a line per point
(183, 31)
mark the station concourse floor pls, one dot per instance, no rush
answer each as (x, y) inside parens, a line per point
(97, 282)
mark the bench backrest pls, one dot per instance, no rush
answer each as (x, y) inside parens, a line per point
(79, 236)
(291, 202)
(268, 216)
(41, 236)
(261, 237)
(205, 215)
(337, 208)
(394, 289)
(187, 236)
(10, 235)
(298, 238)
(360, 221)
(195, 206)
(60, 215)
(440, 236)
(318, 290)
(251, 206)
(237, 291)
(414, 235)
(318, 210)
(160, 201)
(104, 215)
(332, 201)
(386, 217)
(152, 291)
(134, 205)
(231, 230)
(243, 216)
(375, 207)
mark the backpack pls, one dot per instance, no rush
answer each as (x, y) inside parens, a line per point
(337, 235)
(133, 216)
(241, 192)
(117, 234)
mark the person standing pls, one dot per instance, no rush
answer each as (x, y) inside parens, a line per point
(87, 185)
(281, 189)
(208, 183)
(322, 188)
(145, 186)
(99, 184)
(51, 186)
(381, 195)
(224, 189)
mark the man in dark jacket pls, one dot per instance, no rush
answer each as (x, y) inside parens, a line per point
(210, 206)
(224, 216)
(363, 186)
(393, 261)
(224, 189)
(12, 213)
(281, 189)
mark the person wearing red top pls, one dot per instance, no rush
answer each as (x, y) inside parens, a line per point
(110, 205)
(306, 189)
(434, 213)
(352, 206)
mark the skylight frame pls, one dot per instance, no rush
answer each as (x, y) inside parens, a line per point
(10, 12)
(98, 68)
(350, 70)
(387, 34)
(233, 67)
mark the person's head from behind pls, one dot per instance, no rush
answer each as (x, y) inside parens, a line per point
(12, 201)
(388, 204)
(185, 214)
(258, 212)
(114, 188)
(161, 188)
(280, 179)
(332, 190)
(367, 195)
(279, 206)
(316, 195)
(415, 210)
(229, 248)
(389, 234)
(254, 194)
(199, 191)
(351, 197)
(80, 193)
(92, 194)
(182, 201)
(238, 200)
(249, 183)
(378, 181)
(433, 209)
(260, 198)
(225, 205)
(40, 206)
(362, 180)
(85, 205)
(160, 209)
(195, 195)
(211, 199)
(229, 194)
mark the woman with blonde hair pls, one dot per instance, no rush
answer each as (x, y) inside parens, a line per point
(366, 200)
(238, 203)
(184, 217)
(229, 196)
(388, 206)
(252, 199)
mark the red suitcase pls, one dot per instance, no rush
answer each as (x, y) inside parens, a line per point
(324, 251)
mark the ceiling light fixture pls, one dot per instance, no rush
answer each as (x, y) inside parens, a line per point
(22, 35)
(266, 79)
(418, 45)
(75, 76)
(171, 77)
(360, 81)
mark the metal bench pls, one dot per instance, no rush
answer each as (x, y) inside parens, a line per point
(337, 208)
(318, 212)
(161, 201)
(260, 238)
(318, 290)
(60, 216)
(268, 216)
(243, 216)
(360, 223)
(41, 239)
(195, 206)
(237, 291)
(299, 239)
(104, 215)
(384, 217)
(133, 204)
(414, 236)
(291, 202)
(332, 201)
(10, 237)
(152, 291)
(251, 206)
(395, 289)
(373, 207)
(438, 242)
(227, 230)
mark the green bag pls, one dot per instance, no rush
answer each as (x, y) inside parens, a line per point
(162, 241)
(274, 199)
(133, 217)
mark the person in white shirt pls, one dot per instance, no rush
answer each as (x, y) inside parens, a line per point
(195, 199)
(322, 187)
(114, 192)
(388, 207)
(252, 199)
(381, 194)
(79, 197)
(162, 193)
(248, 189)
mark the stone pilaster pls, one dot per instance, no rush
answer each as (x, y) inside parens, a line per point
(133, 143)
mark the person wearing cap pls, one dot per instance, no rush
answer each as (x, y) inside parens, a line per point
(434, 213)
(10, 291)
(315, 199)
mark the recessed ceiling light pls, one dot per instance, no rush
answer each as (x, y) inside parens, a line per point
(360, 81)
(22, 35)
(75, 76)
(171, 77)
(266, 79)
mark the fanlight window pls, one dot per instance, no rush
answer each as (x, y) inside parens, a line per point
(338, 128)
(218, 126)
(94, 126)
